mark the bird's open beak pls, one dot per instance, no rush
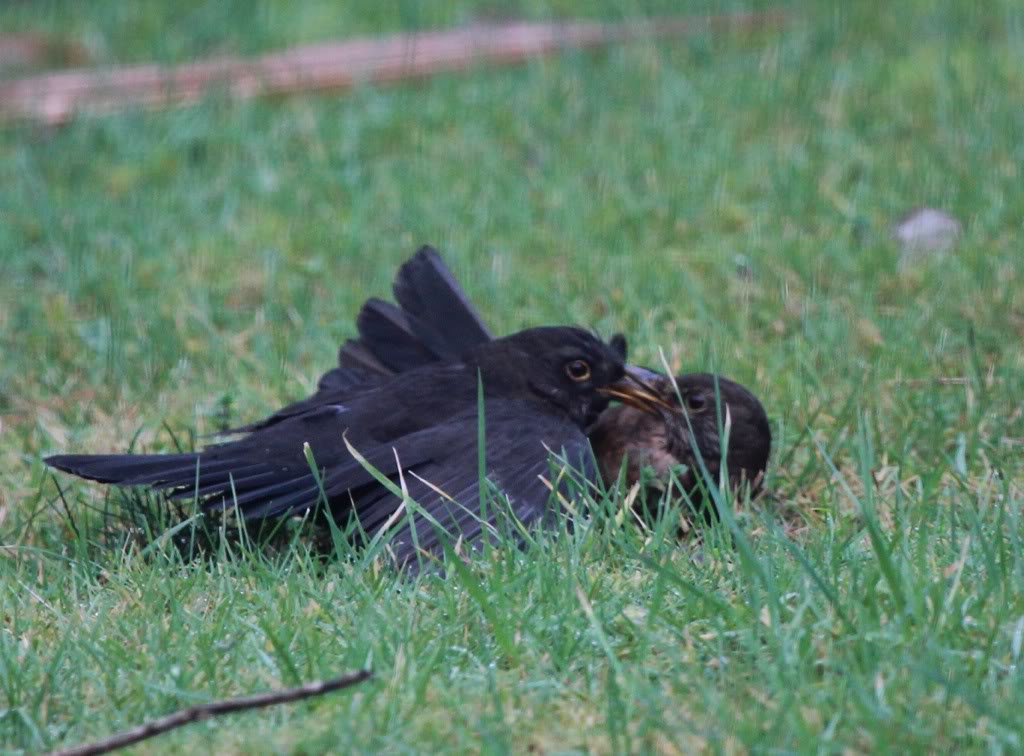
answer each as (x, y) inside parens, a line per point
(637, 389)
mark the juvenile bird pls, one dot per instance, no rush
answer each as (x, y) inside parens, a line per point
(683, 437)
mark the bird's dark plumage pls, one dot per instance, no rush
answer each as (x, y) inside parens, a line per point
(435, 323)
(391, 340)
(418, 428)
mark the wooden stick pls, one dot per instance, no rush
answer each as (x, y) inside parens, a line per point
(56, 98)
(213, 709)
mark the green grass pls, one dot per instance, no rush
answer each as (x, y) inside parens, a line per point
(158, 270)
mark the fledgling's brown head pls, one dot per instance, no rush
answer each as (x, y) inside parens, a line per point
(688, 423)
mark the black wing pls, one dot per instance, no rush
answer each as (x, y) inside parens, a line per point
(434, 321)
(524, 467)
(267, 474)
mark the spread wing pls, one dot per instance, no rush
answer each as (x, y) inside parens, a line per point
(267, 474)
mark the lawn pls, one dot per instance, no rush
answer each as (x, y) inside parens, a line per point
(727, 199)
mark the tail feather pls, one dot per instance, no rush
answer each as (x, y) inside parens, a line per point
(124, 468)
(228, 475)
(390, 337)
(351, 378)
(441, 314)
(158, 470)
(258, 489)
(204, 472)
(354, 355)
(435, 321)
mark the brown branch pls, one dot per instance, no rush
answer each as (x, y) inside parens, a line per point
(213, 709)
(56, 98)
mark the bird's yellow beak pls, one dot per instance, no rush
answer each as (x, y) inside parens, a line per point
(637, 388)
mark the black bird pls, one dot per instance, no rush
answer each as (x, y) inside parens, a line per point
(419, 429)
(677, 429)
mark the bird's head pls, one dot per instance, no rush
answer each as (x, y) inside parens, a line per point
(693, 412)
(704, 406)
(567, 367)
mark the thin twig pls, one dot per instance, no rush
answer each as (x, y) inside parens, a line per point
(213, 709)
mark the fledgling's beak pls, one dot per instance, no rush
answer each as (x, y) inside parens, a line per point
(637, 388)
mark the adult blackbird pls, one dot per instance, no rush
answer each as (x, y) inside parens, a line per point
(418, 428)
(680, 434)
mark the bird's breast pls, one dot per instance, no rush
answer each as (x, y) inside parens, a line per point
(639, 438)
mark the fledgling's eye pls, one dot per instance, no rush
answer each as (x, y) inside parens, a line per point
(578, 370)
(696, 401)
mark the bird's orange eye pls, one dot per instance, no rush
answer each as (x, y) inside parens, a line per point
(578, 370)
